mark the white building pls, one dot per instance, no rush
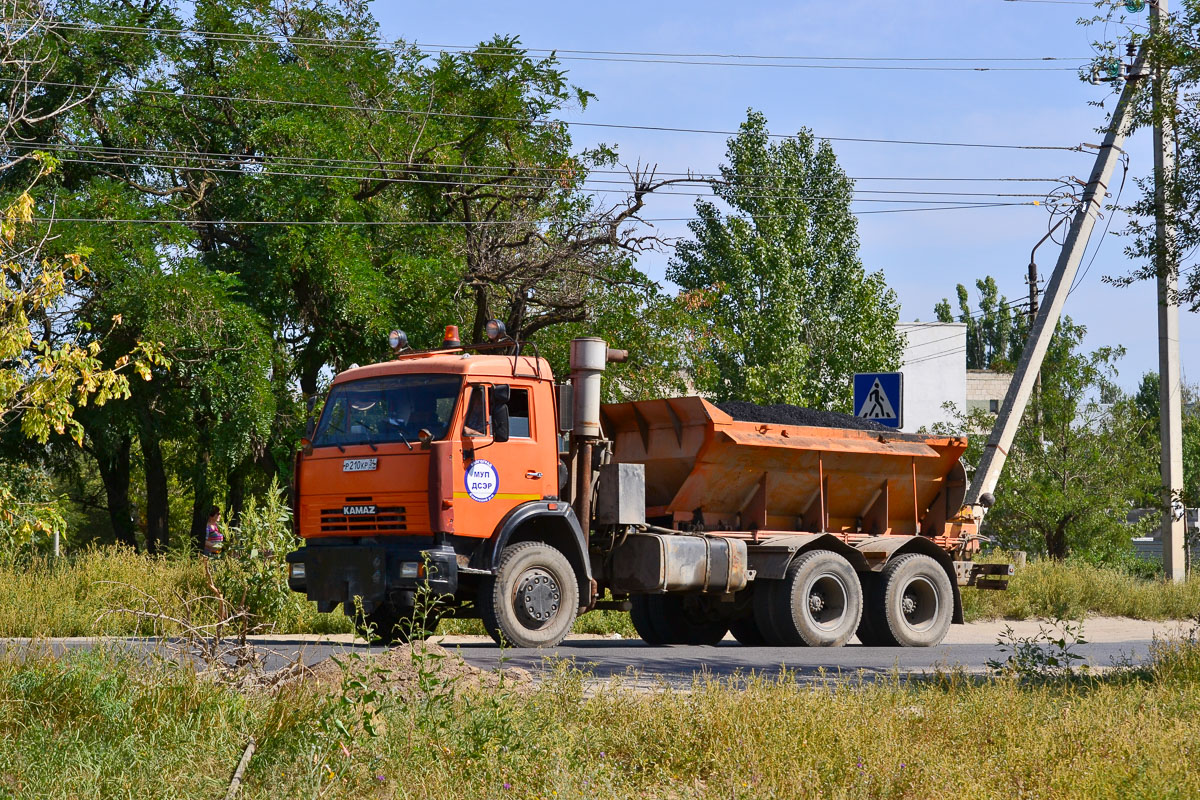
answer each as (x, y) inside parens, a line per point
(935, 372)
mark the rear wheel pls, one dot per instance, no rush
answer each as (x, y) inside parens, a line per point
(818, 603)
(866, 632)
(745, 629)
(677, 619)
(533, 599)
(913, 602)
(644, 622)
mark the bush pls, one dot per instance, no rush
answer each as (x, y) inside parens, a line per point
(251, 572)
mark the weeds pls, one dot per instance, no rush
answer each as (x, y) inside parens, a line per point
(1048, 655)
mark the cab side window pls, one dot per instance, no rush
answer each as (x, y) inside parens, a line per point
(518, 414)
(476, 423)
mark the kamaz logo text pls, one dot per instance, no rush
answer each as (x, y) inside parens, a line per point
(357, 511)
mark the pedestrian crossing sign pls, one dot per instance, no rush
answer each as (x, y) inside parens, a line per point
(878, 396)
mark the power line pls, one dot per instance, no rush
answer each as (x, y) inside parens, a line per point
(488, 170)
(440, 223)
(495, 118)
(726, 59)
(584, 187)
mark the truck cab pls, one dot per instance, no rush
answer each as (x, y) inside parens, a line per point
(419, 472)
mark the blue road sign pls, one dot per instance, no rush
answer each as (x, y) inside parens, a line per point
(878, 396)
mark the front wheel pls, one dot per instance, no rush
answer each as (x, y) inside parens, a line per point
(533, 599)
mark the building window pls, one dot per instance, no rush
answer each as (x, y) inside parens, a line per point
(994, 406)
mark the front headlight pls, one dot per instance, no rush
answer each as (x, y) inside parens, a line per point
(409, 569)
(297, 570)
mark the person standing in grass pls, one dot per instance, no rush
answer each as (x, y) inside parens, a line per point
(214, 540)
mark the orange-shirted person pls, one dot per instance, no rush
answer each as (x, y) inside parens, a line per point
(214, 540)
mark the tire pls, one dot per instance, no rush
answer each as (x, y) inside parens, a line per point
(677, 619)
(644, 622)
(818, 603)
(867, 633)
(391, 624)
(763, 606)
(912, 603)
(745, 629)
(532, 600)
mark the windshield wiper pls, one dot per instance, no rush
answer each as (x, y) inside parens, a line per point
(404, 438)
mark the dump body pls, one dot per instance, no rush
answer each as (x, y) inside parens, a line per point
(706, 470)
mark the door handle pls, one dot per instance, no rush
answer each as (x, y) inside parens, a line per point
(533, 476)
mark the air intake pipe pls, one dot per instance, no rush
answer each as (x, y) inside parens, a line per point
(589, 356)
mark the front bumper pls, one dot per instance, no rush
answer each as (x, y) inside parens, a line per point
(335, 573)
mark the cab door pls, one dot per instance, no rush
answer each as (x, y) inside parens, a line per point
(499, 476)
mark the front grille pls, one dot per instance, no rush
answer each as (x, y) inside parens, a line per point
(386, 519)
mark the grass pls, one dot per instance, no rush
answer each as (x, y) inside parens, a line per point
(99, 725)
(69, 598)
(1072, 591)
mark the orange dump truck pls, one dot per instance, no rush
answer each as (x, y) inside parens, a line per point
(469, 475)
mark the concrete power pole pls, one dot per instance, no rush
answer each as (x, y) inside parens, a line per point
(979, 495)
(1166, 266)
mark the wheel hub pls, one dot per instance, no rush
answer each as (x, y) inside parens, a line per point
(538, 597)
(816, 602)
(909, 604)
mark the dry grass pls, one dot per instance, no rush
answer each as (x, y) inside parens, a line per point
(94, 725)
(1072, 591)
(69, 598)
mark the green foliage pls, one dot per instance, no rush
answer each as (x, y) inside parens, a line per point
(1048, 655)
(1063, 491)
(46, 375)
(30, 511)
(252, 571)
(996, 333)
(789, 311)
(1176, 47)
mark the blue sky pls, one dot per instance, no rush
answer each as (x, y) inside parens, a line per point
(923, 255)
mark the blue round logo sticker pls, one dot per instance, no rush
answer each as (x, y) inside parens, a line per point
(482, 480)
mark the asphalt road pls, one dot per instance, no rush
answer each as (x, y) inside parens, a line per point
(968, 648)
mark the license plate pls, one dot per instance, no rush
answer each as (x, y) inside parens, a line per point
(358, 511)
(360, 464)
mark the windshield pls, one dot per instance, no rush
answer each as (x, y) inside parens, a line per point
(391, 409)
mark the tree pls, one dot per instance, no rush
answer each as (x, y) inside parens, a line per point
(789, 311)
(996, 333)
(1176, 49)
(1069, 485)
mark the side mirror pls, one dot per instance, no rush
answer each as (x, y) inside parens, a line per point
(498, 402)
(500, 424)
(310, 424)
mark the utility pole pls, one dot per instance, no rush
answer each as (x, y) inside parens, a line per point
(979, 496)
(1166, 267)
(1033, 309)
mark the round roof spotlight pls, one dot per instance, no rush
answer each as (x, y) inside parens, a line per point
(398, 340)
(494, 330)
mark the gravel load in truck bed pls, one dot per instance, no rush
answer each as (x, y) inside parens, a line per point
(783, 414)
